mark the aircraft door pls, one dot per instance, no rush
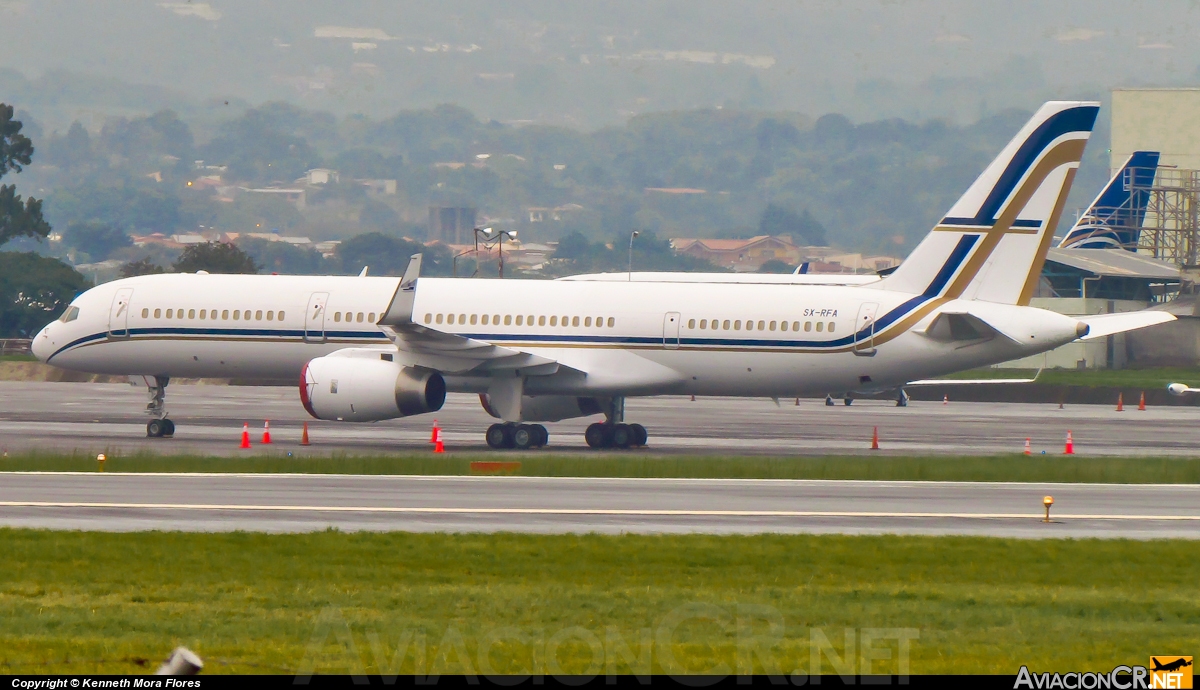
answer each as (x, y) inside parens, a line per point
(314, 318)
(671, 330)
(118, 314)
(864, 330)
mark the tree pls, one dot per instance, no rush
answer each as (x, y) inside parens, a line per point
(96, 239)
(34, 290)
(282, 257)
(384, 255)
(18, 218)
(776, 266)
(777, 220)
(214, 257)
(141, 267)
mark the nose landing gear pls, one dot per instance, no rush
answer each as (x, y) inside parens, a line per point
(160, 426)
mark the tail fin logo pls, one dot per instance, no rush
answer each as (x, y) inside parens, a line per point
(1114, 219)
(993, 242)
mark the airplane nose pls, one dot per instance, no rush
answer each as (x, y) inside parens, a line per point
(42, 347)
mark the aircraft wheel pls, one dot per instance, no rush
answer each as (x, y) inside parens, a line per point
(847, 401)
(622, 435)
(829, 401)
(543, 436)
(640, 435)
(598, 435)
(498, 436)
(524, 437)
(170, 428)
(155, 428)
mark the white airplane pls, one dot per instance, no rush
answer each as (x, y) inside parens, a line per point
(365, 349)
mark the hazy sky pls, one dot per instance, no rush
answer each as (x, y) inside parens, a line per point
(809, 55)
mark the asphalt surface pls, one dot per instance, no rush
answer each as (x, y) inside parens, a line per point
(292, 503)
(93, 417)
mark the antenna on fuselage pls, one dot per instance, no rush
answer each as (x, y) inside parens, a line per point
(363, 273)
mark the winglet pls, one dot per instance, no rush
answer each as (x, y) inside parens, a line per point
(409, 281)
(400, 310)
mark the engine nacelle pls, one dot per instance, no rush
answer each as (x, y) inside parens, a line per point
(359, 389)
(551, 408)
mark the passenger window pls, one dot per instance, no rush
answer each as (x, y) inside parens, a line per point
(236, 314)
(485, 319)
(270, 315)
(170, 313)
(520, 320)
(587, 322)
(158, 313)
(691, 323)
(566, 320)
(281, 316)
(191, 313)
(761, 326)
(807, 326)
(831, 327)
(145, 313)
(428, 318)
(611, 322)
(575, 321)
(772, 325)
(439, 318)
(703, 324)
(795, 325)
(258, 315)
(737, 325)
(820, 326)
(495, 319)
(360, 317)
(553, 320)
(337, 317)
(726, 324)
(508, 319)
(371, 317)
(783, 325)
(225, 314)
(599, 321)
(203, 312)
(541, 321)
(474, 319)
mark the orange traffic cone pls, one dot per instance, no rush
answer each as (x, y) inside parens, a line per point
(245, 435)
(875, 438)
(267, 431)
(1070, 449)
(433, 435)
(945, 399)
(1120, 402)
(1028, 451)
(1142, 402)
(438, 447)
(693, 398)
(304, 435)
(797, 402)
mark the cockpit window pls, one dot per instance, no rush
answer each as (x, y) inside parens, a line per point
(71, 314)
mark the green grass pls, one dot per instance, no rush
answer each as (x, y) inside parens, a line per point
(1007, 468)
(111, 603)
(18, 358)
(1143, 379)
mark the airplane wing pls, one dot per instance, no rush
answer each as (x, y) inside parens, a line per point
(447, 352)
(1101, 325)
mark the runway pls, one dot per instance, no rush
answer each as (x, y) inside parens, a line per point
(94, 417)
(296, 503)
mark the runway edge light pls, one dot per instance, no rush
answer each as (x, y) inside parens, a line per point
(1047, 502)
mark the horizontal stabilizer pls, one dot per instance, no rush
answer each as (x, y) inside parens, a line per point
(1109, 324)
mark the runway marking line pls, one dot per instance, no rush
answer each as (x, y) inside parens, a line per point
(580, 511)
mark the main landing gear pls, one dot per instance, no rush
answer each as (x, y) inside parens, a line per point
(160, 426)
(613, 432)
(519, 436)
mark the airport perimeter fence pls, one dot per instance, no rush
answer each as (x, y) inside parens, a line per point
(15, 346)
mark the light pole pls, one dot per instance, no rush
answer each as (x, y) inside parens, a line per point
(512, 235)
(632, 235)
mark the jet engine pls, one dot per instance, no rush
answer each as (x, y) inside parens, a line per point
(357, 389)
(551, 408)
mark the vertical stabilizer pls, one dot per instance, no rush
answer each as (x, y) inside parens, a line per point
(1114, 220)
(993, 242)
